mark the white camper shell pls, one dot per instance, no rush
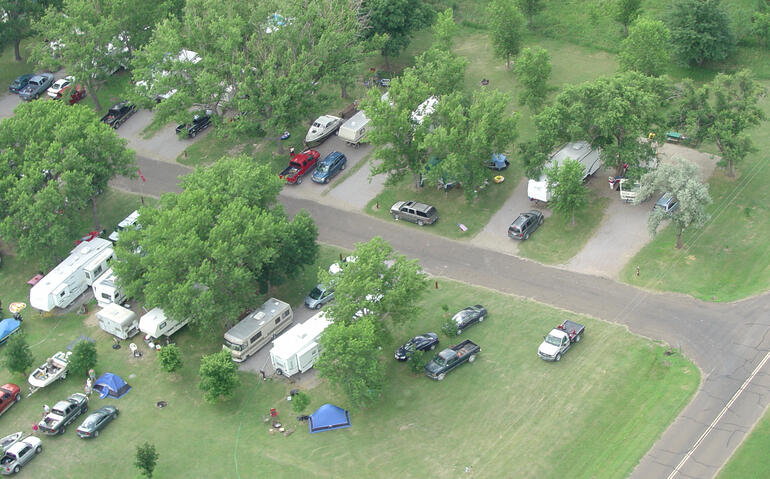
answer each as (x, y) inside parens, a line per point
(580, 151)
(297, 349)
(155, 324)
(118, 321)
(106, 289)
(257, 329)
(67, 280)
(354, 130)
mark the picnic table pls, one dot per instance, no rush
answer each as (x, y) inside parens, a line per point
(35, 279)
(675, 137)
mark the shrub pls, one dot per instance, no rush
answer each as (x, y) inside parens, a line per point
(449, 327)
(170, 358)
(299, 402)
(17, 356)
(417, 360)
(83, 358)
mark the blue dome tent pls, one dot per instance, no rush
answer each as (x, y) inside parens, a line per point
(111, 385)
(328, 417)
(8, 326)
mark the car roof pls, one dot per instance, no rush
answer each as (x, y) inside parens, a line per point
(332, 156)
(38, 77)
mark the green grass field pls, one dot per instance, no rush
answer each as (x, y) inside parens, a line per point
(750, 460)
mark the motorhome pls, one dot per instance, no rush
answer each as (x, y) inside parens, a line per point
(67, 280)
(354, 129)
(257, 329)
(118, 321)
(98, 265)
(155, 324)
(296, 350)
(106, 289)
(537, 189)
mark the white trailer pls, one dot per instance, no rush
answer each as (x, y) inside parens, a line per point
(537, 189)
(118, 321)
(67, 280)
(155, 324)
(106, 289)
(424, 109)
(354, 129)
(98, 265)
(296, 350)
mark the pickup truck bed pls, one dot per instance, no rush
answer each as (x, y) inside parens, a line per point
(571, 328)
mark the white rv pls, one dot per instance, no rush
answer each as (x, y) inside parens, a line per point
(67, 280)
(424, 109)
(129, 220)
(296, 350)
(580, 151)
(98, 265)
(354, 130)
(257, 329)
(106, 289)
(155, 324)
(118, 321)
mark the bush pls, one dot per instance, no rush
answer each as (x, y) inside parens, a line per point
(17, 357)
(83, 358)
(299, 402)
(417, 360)
(146, 459)
(170, 358)
(449, 327)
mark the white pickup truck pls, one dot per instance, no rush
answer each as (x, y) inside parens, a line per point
(559, 340)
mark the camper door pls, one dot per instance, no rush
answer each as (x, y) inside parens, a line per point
(307, 356)
(61, 295)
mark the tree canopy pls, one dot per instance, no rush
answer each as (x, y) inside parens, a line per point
(647, 47)
(18, 16)
(569, 194)
(208, 252)
(398, 20)
(533, 70)
(626, 11)
(530, 8)
(54, 159)
(218, 376)
(700, 31)
(505, 29)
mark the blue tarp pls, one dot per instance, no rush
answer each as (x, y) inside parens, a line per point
(329, 417)
(111, 385)
(8, 326)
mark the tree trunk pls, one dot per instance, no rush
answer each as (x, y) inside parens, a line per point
(94, 97)
(730, 169)
(625, 29)
(572, 223)
(508, 62)
(16, 52)
(387, 62)
(280, 144)
(416, 180)
(679, 240)
(343, 89)
(530, 23)
(93, 210)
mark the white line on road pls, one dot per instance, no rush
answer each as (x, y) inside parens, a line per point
(713, 424)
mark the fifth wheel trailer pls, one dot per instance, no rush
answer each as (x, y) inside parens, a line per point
(296, 350)
(537, 189)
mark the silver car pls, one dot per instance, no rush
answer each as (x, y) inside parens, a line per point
(318, 296)
(19, 454)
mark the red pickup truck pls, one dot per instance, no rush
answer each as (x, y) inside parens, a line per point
(299, 164)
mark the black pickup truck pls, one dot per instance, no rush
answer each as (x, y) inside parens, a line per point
(118, 114)
(199, 123)
(63, 413)
(450, 358)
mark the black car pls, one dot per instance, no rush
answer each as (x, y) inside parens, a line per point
(200, 122)
(96, 421)
(423, 342)
(119, 113)
(19, 83)
(525, 224)
(468, 316)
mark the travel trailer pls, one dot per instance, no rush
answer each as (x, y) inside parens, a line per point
(537, 189)
(106, 289)
(67, 280)
(297, 349)
(155, 324)
(118, 321)
(354, 130)
(257, 329)
(98, 265)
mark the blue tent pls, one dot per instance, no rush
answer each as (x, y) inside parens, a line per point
(499, 162)
(329, 417)
(8, 326)
(111, 385)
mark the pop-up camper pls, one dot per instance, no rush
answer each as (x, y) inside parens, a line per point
(537, 189)
(118, 321)
(354, 129)
(67, 280)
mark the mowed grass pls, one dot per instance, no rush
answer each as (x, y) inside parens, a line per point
(525, 417)
(728, 258)
(750, 460)
(10, 68)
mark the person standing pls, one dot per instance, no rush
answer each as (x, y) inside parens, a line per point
(291, 152)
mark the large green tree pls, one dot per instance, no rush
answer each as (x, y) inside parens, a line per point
(444, 30)
(398, 20)
(647, 47)
(681, 179)
(505, 29)
(530, 8)
(626, 11)
(700, 31)
(565, 182)
(16, 17)
(466, 136)
(218, 376)
(723, 111)
(54, 160)
(533, 70)
(208, 252)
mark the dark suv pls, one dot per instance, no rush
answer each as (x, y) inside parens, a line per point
(419, 213)
(525, 224)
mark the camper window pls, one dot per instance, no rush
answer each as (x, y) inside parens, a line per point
(277, 320)
(285, 314)
(162, 326)
(106, 296)
(254, 339)
(61, 295)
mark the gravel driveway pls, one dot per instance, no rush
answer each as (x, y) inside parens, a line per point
(164, 145)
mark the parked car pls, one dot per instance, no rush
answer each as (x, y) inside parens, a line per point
(199, 123)
(450, 358)
(329, 167)
(525, 224)
(318, 296)
(423, 342)
(63, 413)
(419, 213)
(10, 394)
(469, 316)
(59, 85)
(36, 86)
(119, 113)
(19, 83)
(78, 92)
(96, 421)
(20, 454)
(667, 203)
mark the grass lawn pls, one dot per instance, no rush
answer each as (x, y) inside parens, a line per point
(10, 68)
(614, 388)
(557, 241)
(750, 460)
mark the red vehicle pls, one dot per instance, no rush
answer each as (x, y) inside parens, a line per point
(9, 395)
(299, 164)
(77, 94)
(91, 235)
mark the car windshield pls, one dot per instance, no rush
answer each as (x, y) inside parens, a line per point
(460, 317)
(409, 345)
(233, 346)
(323, 168)
(440, 361)
(315, 293)
(550, 339)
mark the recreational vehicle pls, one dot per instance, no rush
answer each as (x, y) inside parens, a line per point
(118, 321)
(424, 109)
(155, 324)
(67, 280)
(94, 268)
(354, 130)
(297, 349)
(129, 220)
(537, 189)
(257, 329)
(106, 289)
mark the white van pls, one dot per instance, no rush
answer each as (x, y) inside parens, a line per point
(118, 321)
(257, 329)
